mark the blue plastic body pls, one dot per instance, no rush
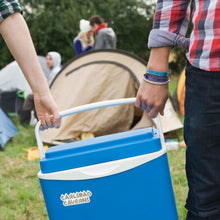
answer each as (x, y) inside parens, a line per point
(144, 192)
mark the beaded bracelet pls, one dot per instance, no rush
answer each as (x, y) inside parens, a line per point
(156, 73)
(156, 80)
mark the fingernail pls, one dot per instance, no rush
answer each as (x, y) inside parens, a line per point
(45, 126)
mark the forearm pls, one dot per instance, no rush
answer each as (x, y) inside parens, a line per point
(170, 24)
(15, 32)
(151, 97)
(87, 49)
(158, 60)
(78, 47)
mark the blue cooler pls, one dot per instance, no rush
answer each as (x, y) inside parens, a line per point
(123, 176)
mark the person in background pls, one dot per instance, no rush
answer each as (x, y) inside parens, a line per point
(105, 37)
(53, 60)
(84, 40)
(202, 96)
(15, 32)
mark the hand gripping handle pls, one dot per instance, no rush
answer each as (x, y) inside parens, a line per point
(88, 107)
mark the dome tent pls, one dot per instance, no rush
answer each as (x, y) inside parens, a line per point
(97, 76)
(11, 77)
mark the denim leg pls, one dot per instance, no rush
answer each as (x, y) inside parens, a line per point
(202, 137)
(193, 217)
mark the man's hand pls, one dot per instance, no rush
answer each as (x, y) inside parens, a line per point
(152, 98)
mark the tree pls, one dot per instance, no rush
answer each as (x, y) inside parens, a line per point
(5, 55)
(54, 24)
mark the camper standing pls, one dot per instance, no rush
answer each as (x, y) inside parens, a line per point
(84, 40)
(53, 60)
(202, 100)
(105, 37)
(15, 32)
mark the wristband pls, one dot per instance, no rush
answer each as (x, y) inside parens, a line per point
(156, 80)
(156, 73)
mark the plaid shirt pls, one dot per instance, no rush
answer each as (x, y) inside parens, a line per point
(8, 7)
(170, 25)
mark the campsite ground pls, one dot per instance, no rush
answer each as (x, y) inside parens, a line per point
(20, 191)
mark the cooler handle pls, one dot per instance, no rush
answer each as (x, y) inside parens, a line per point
(88, 107)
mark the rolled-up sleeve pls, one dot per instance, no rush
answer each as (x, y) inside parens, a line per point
(8, 7)
(170, 24)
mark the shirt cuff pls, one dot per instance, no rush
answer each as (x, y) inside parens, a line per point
(8, 7)
(160, 38)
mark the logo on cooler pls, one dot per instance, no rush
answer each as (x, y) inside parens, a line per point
(76, 198)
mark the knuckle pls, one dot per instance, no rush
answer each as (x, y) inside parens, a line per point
(158, 104)
(150, 103)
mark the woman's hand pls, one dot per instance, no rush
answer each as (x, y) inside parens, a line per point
(47, 111)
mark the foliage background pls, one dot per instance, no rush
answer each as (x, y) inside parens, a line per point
(54, 24)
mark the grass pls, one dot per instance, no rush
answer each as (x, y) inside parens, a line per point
(177, 170)
(20, 192)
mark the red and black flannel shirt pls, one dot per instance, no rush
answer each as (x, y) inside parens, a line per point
(170, 25)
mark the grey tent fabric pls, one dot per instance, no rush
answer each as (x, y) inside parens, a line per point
(12, 78)
(12, 82)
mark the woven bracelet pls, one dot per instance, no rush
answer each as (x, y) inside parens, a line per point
(156, 80)
(156, 73)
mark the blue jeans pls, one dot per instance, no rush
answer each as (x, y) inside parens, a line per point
(202, 137)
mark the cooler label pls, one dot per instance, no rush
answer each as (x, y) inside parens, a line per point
(76, 198)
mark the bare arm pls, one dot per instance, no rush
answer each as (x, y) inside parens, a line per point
(168, 31)
(152, 98)
(16, 34)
